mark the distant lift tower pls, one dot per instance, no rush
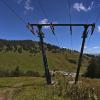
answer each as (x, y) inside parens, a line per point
(41, 35)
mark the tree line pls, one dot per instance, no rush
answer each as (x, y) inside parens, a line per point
(27, 45)
(93, 69)
(30, 46)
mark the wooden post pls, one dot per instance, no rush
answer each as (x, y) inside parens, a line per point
(47, 73)
(81, 53)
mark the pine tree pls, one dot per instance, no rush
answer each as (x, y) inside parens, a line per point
(93, 70)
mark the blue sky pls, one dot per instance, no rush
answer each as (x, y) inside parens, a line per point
(47, 11)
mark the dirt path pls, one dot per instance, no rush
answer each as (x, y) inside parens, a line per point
(8, 93)
(3, 96)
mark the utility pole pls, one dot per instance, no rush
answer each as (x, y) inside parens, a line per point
(41, 36)
(47, 73)
(85, 33)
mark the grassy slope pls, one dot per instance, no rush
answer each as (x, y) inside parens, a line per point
(27, 61)
(27, 88)
(33, 88)
(58, 58)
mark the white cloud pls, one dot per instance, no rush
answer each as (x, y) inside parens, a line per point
(98, 28)
(96, 47)
(44, 21)
(80, 7)
(28, 5)
(85, 47)
(90, 7)
(93, 50)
